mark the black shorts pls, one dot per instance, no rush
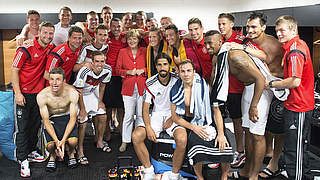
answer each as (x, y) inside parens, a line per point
(112, 97)
(275, 123)
(234, 105)
(59, 124)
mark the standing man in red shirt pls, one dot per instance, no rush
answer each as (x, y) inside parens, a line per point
(27, 81)
(225, 24)
(197, 36)
(89, 27)
(112, 95)
(65, 55)
(298, 76)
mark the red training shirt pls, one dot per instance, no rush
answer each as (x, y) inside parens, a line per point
(31, 60)
(63, 57)
(300, 99)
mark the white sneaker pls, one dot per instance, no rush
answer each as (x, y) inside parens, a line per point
(169, 175)
(25, 170)
(34, 156)
(148, 173)
(238, 159)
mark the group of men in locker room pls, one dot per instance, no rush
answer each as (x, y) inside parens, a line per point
(64, 74)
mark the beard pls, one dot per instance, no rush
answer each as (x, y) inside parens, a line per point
(163, 75)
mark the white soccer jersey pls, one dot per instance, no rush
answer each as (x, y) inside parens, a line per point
(85, 54)
(159, 92)
(89, 81)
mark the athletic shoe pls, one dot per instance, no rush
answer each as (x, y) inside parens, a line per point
(238, 159)
(148, 173)
(214, 165)
(169, 175)
(25, 170)
(34, 156)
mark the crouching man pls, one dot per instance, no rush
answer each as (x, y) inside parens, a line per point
(58, 104)
(157, 89)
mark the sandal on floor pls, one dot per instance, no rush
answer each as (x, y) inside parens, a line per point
(236, 175)
(105, 148)
(269, 173)
(72, 163)
(51, 166)
(83, 161)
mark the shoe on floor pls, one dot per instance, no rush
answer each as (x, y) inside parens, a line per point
(238, 160)
(169, 175)
(123, 147)
(25, 169)
(34, 156)
(148, 173)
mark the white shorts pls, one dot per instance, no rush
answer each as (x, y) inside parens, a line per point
(157, 120)
(91, 102)
(257, 128)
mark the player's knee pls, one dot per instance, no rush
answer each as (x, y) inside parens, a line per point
(180, 138)
(51, 146)
(138, 135)
(73, 142)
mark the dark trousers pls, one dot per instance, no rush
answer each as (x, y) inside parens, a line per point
(297, 138)
(28, 124)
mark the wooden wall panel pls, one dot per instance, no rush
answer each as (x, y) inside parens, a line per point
(316, 49)
(9, 51)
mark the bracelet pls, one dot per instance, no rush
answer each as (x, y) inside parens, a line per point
(270, 83)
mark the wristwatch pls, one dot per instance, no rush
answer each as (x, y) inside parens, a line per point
(244, 47)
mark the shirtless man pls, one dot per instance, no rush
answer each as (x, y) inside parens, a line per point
(31, 29)
(58, 106)
(186, 111)
(242, 67)
(158, 92)
(256, 26)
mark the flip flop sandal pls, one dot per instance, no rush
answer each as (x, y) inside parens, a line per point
(82, 160)
(72, 163)
(105, 148)
(236, 175)
(269, 173)
(51, 166)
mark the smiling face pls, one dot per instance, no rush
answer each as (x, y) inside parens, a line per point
(225, 26)
(46, 35)
(116, 28)
(56, 82)
(101, 37)
(196, 31)
(133, 41)
(65, 17)
(127, 21)
(106, 15)
(213, 44)
(92, 20)
(154, 39)
(254, 28)
(163, 67)
(140, 21)
(284, 33)
(75, 40)
(34, 21)
(98, 63)
(172, 37)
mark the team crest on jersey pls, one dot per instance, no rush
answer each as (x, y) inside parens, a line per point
(36, 55)
(204, 50)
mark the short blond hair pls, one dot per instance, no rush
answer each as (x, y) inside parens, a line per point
(289, 20)
(133, 33)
